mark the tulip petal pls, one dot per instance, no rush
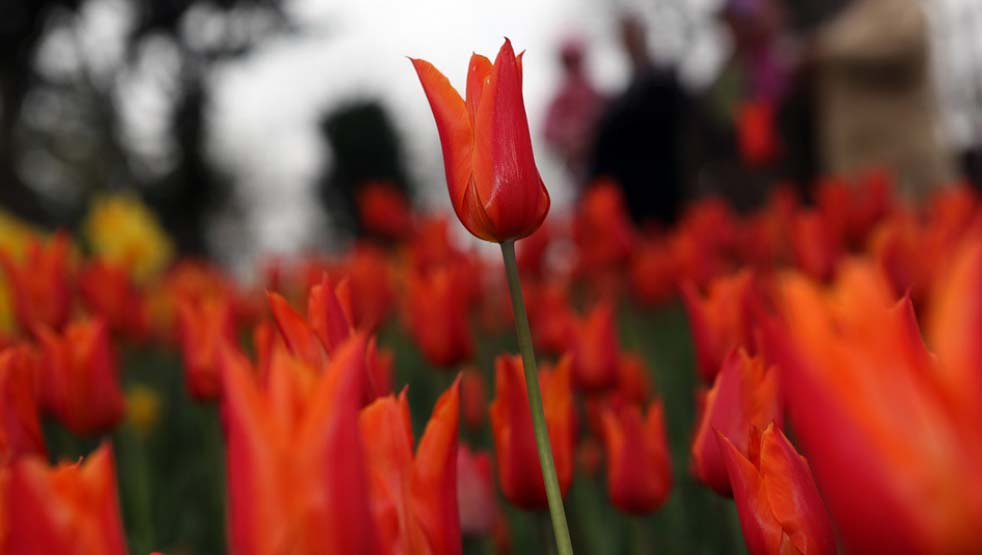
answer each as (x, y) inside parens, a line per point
(301, 340)
(456, 133)
(478, 75)
(435, 476)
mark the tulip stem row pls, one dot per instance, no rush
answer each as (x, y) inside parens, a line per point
(556, 510)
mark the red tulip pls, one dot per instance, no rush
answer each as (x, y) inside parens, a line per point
(297, 481)
(602, 229)
(494, 185)
(595, 349)
(653, 272)
(742, 402)
(41, 284)
(473, 398)
(639, 466)
(551, 316)
(70, 509)
(511, 425)
(475, 493)
(20, 429)
(204, 328)
(372, 297)
(437, 311)
(633, 381)
(108, 292)
(80, 377)
(414, 499)
(780, 509)
(329, 311)
(758, 138)
(890, 429)
(721, 321)
(815, 244)
(384, 211)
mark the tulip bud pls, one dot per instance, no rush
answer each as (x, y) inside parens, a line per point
(20, 428)
(639, 468)
(494, 185)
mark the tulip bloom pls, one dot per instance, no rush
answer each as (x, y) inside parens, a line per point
(494, 185)
(511, 425)
(815, 244)
(758, 138)
(595, 349)
(742, 402)
(414, 499)
(296, 470)
(384, 211)
(40, 283)
(721, 321)
(204, 328)
(20, 428)
(602, 229)
(108, 292)
(891, 429)
(473, 398)
(80, 377)
(633, 381)
(475, 493)
(438, 316)
(70, 509)
(639, 466)
(780, 509)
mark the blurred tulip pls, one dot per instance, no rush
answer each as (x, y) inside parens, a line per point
(70, 509)
(639, 468)
(602, 229)
(756, 133)
(475, 493)
(40, 283)
(780, 509)
(551, 316)
(329, 311)
(122, 230)
(80, 377)
(720, 321)
(742, 402)
(590, 455)
(530, 252)
(473, 398)
(815, 244)
(384, 211)
(889, 428)
(438, 319)
(494, 185)
(142, 409)
(633, 381)
(204, 327)
(414, 500)
(652, 273)
(595, 350)
(298, 335)
(516, 458)
(297, 479)
(20, 428)
(372, 296)
(108, 292)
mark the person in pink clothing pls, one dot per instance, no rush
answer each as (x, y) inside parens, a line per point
(573, 112)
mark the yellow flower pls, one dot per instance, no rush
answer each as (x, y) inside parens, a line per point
(142, 408)
(122, 230)
(15, 234)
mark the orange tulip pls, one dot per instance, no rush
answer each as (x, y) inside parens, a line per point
(70, 509)
(296, 471)
(742, 402)
(721, 321)
(20, 428)
(890, 429)
(780, 509)
(652, 273)
(511, 425)
(204, 327)
(494, 185)
(108, 292)
(438, 316)
(372, 297)
(414, 499)
(475, 493)
(41, 284)
(639, 466)
(80, 377)
(595, 349)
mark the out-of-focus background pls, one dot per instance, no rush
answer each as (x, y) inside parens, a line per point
(232, 117)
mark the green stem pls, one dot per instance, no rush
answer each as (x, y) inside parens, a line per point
(556, 511)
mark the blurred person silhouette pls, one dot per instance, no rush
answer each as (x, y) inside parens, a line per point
(573, 112)
(876, 102)
(638, 139)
